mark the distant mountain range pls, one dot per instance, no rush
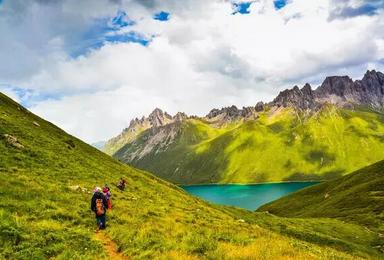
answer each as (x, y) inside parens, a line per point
(303, 134)
(99, 145)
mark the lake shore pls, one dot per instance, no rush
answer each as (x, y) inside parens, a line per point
(244, 184)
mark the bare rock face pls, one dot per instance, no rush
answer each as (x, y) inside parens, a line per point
(339, 90)
(228, 112)
(180, 116)
(335, 85)
(248, 112)
(371, 88)
(213, 113)
(299, 98)
(159, 118)
(343, 90)
(259, 106)
(136, 121)
(12, 140)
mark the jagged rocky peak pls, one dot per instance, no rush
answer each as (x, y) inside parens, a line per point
(260, 106)
(307, 89)
(155, 119)
(233, 113)
(371, 88)
(136, 121)
(247, 111)
(339, 90)
(373, 78)
(298, 98)
(335, 85)
(159, 118)
(226, 112)
(368, 91)
(180, 116)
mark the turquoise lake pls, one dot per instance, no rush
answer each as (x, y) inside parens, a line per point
(245, 196)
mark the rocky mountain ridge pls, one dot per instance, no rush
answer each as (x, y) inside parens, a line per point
(338, 90)
(341, 91)
(156, 119)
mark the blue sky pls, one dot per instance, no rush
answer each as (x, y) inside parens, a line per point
(242, 7)
(111, 30)
(279, 3)
(106, 61)
(161, 16)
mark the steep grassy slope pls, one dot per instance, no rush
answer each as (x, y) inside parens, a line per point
(116, 143)
(43, 216)
(357, 197)
(278, 146)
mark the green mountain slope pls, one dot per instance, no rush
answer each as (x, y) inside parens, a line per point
(279, 145)
(357, 197)
(45, 180)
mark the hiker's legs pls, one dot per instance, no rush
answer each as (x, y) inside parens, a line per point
(99, 222)
(103, 220)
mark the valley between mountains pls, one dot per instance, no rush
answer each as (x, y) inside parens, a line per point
(304, 134)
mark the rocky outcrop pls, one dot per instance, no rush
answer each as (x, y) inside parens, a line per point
(338, 90)
(155, 119)
(180, 116)
(247, 112)
(226, 112)
(13, 141)
(159, 118)
(259, 106)
(299, 98)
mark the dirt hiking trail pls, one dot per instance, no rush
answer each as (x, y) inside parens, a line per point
(110, 247)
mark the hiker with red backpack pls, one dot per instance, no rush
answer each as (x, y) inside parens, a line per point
(107, 194)
(99, 205)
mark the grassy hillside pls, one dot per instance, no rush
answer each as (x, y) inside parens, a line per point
(44, 215)
(357, 197)
(278, 146)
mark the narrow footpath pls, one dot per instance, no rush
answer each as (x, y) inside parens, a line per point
(110, 247)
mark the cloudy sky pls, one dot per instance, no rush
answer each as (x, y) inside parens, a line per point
(90, 66)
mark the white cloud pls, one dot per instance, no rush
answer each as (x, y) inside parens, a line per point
(203, 57)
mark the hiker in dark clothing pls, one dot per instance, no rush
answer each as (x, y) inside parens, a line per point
(121, 184)
(99, 205)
